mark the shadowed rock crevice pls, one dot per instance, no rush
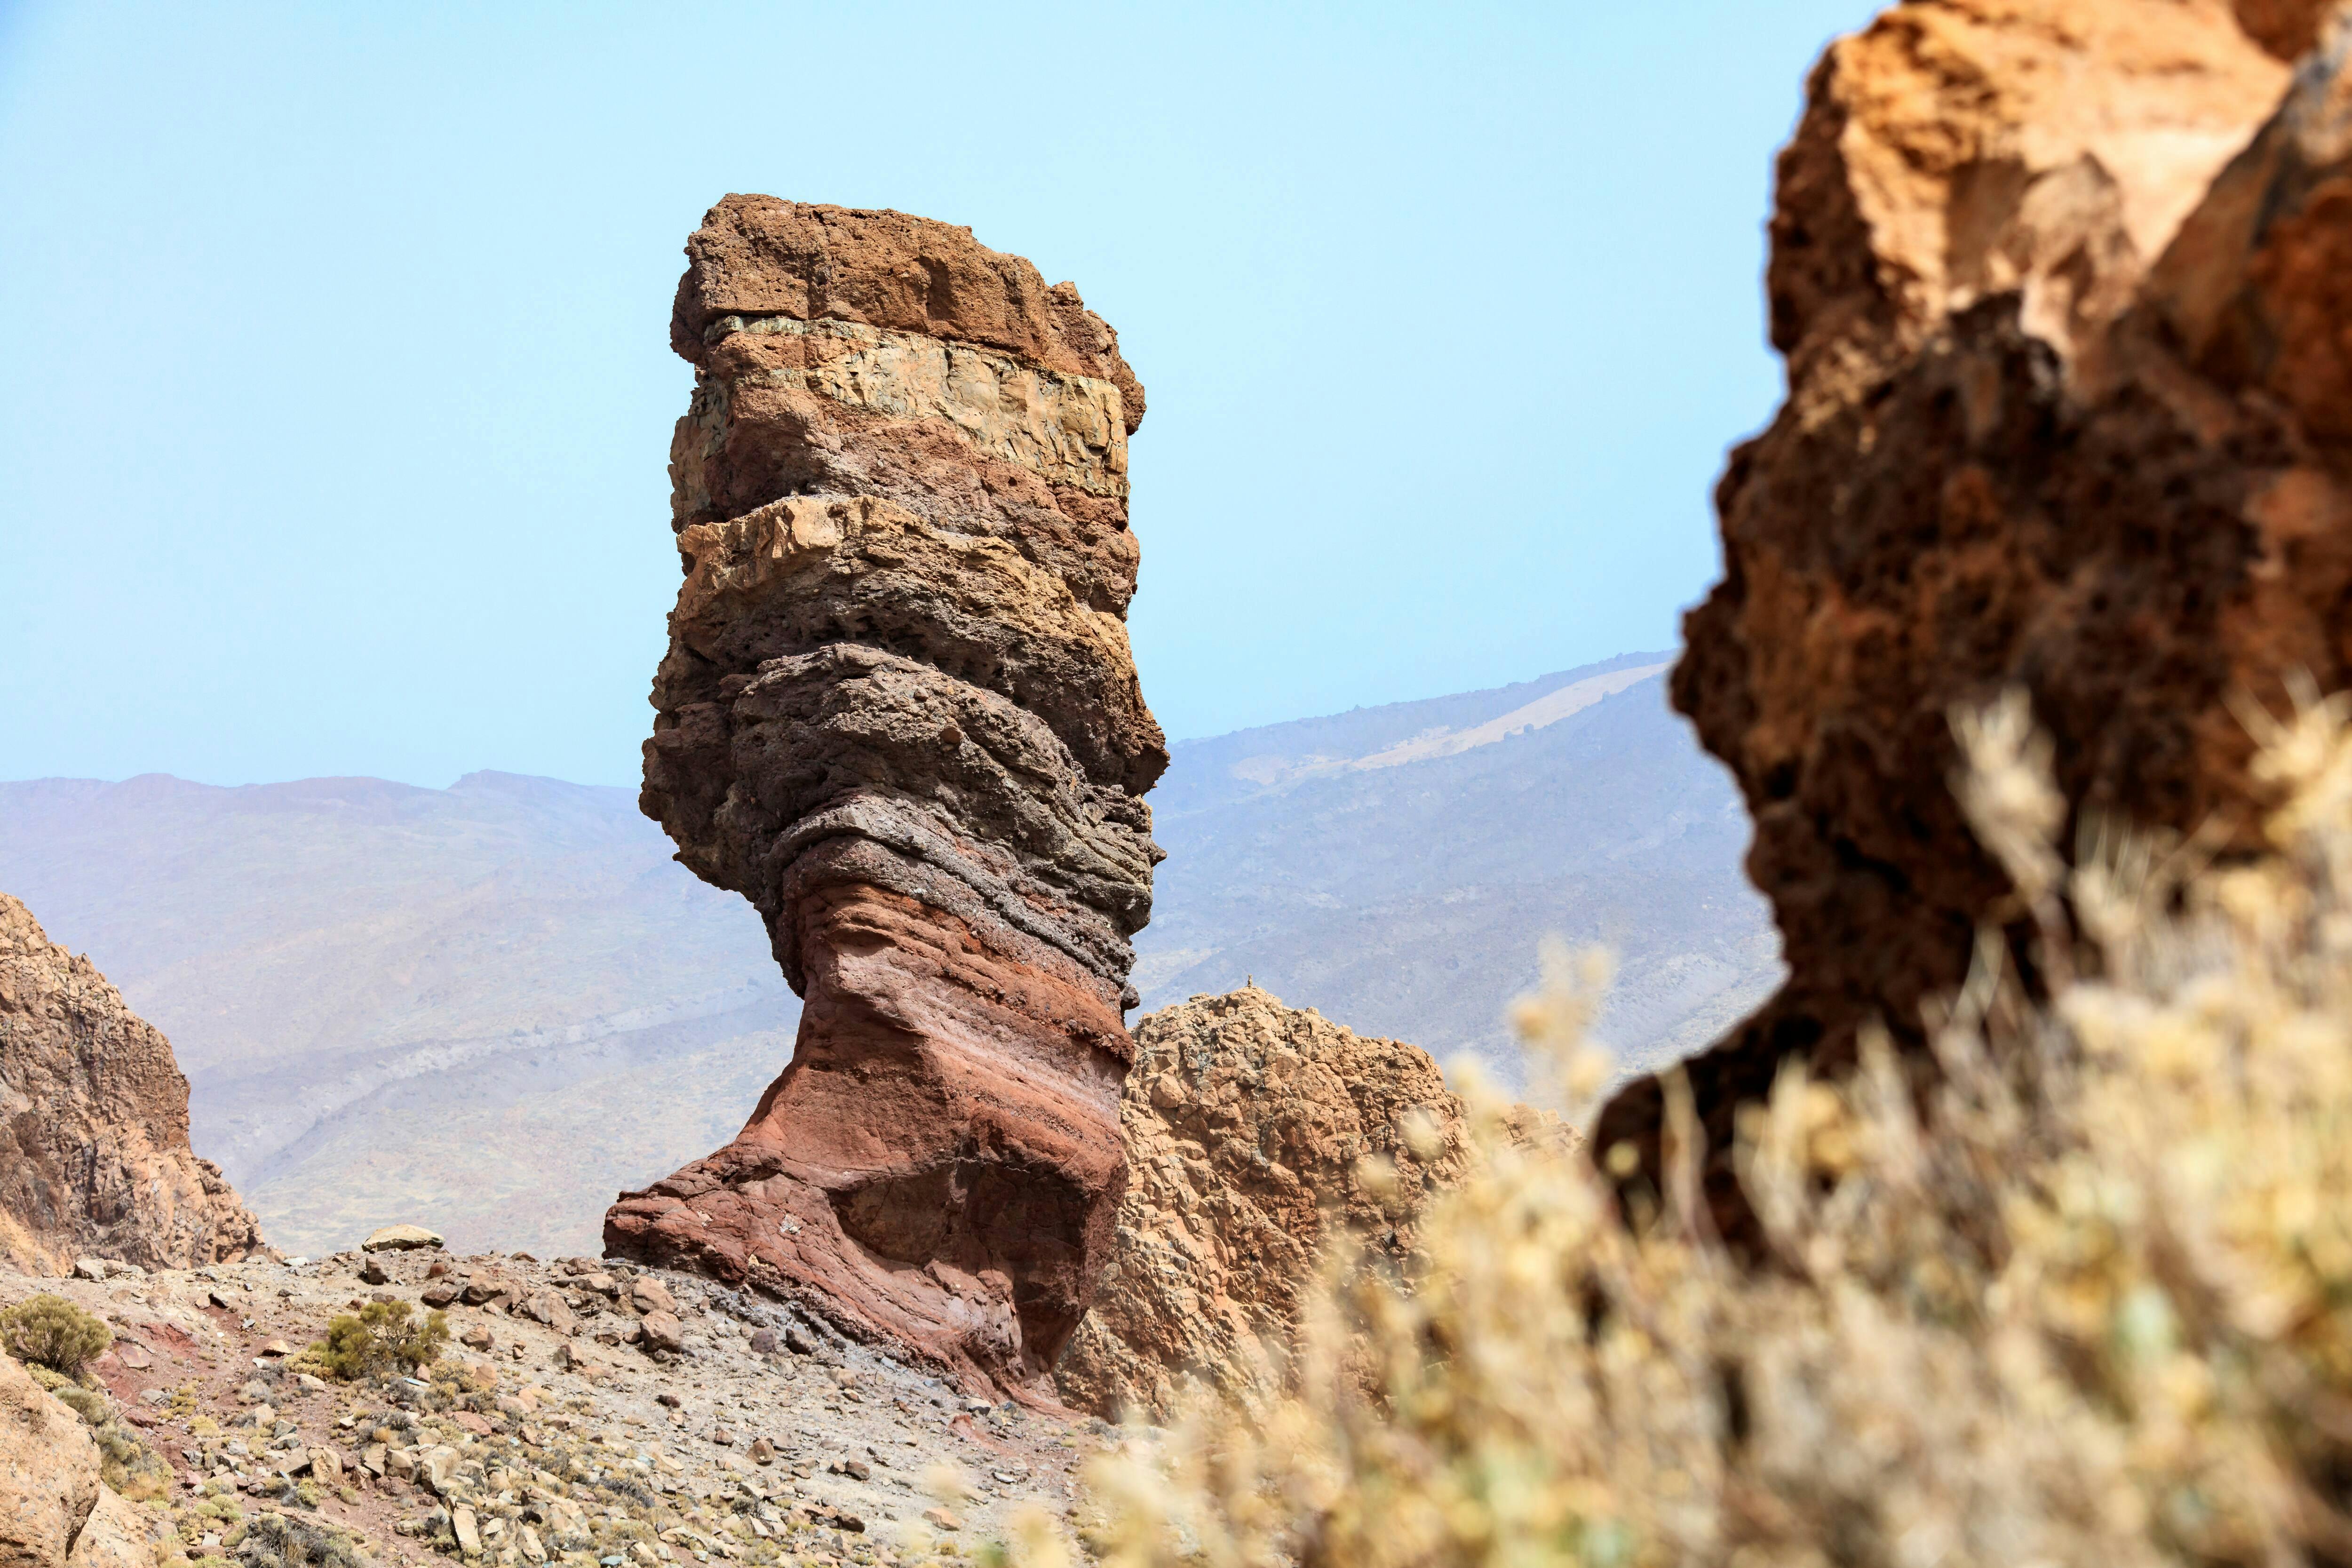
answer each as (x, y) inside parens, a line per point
(898, 715)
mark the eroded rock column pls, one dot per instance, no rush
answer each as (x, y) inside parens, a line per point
(899, 715)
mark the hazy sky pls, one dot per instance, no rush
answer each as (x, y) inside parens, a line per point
(335, 391)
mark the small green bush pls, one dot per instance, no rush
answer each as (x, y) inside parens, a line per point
(51, 1331)
(380, 1339)
(88, 1404)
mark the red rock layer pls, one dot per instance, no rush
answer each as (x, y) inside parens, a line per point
(899, 715)
(2064, 289)
(94, 1155)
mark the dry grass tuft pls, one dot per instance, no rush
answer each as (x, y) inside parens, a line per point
(2095, 1308)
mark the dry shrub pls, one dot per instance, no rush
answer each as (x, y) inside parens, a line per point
(125, 1462)
(286, 1540)
(380, 1340)
(49, 1331)
(2094, 1308)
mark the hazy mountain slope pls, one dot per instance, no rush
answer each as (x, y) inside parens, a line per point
(1408, 897)
(494, 1006)
(392, 1000)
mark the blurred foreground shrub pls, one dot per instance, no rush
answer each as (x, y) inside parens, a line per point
(2087, 1298)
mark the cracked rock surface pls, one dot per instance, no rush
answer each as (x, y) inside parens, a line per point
(1254, 1132)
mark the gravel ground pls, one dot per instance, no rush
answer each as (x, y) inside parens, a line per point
(563, 1442)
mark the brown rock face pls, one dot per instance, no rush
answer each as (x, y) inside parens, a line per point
(1246, 1123)
(94, 1156)
(55, 1512)
(899, 715)
(48, 1474)
(2064, 289)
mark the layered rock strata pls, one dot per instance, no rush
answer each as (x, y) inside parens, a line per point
(94, 1155)
(1251, 1129)
(899, 715)
(2064, 289)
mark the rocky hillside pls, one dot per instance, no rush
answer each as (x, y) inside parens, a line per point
(94, 1155)
(579, 1412)
(1397, 866)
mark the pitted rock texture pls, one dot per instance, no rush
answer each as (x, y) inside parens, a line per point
(94, 1155)
(1247, 1127)
(2064, 289)
(48, 1474)
(899, 715)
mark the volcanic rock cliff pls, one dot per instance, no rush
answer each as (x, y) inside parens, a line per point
(1248, 1125)
(94, 1156)
(898, 714)
(2064, 289)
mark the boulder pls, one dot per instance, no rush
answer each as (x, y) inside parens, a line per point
(488, 1289)
(114, 1536)
(899, 713)
(2064, 291)
(661, 1331)
(546, 1306)
(401, 1238)
(468, 1529)
(1248, 1125)
(436, 1466)
(96, 1172)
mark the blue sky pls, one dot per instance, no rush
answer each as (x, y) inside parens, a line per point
(335, 391)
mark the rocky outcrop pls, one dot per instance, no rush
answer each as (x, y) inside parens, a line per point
(55, 1512)
(1248, 1126)
(94, 1156)
(48, 1474)
(2064, 289)
(898, 714)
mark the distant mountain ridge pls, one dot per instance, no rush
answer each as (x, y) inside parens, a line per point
(388, 997)
(1408, 896)
(398, 1001)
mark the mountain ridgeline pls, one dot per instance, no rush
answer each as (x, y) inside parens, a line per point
(393, 1000)
(1396, 867)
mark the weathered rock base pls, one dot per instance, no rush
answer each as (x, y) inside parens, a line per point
(55, 1512)
(936, 1170)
